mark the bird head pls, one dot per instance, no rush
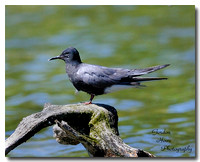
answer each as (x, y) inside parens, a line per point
(68, 55)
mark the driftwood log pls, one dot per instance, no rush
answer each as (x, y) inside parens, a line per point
(95, 126)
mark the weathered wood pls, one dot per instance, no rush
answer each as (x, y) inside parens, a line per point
(95, 126)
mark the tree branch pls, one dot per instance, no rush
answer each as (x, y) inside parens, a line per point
(95, 126)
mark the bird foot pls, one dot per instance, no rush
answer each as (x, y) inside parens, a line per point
(88, 103)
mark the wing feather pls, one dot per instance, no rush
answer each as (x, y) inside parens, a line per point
(98, 76)
(101, 77)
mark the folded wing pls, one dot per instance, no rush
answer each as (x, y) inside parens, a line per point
(99, 76)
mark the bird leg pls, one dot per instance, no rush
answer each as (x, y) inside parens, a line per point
(89, 102)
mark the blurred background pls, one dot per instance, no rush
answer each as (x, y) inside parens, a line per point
(113, 36)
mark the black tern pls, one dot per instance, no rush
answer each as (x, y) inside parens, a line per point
(97, 80)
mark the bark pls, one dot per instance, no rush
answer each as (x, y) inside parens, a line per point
(95, 126)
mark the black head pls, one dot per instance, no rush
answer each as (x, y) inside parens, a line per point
(68, 55)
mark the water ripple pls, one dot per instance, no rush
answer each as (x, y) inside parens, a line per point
(182, 107)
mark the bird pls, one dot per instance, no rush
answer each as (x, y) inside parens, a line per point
(98, 80)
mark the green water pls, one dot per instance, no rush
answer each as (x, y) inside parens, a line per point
(114, 36)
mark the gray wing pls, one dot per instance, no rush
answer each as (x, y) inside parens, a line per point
(138, 72)
(100, 76)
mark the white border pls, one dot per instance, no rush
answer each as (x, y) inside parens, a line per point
(78, 2)
(100, 2)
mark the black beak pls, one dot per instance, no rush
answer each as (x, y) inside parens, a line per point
(53, 58)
